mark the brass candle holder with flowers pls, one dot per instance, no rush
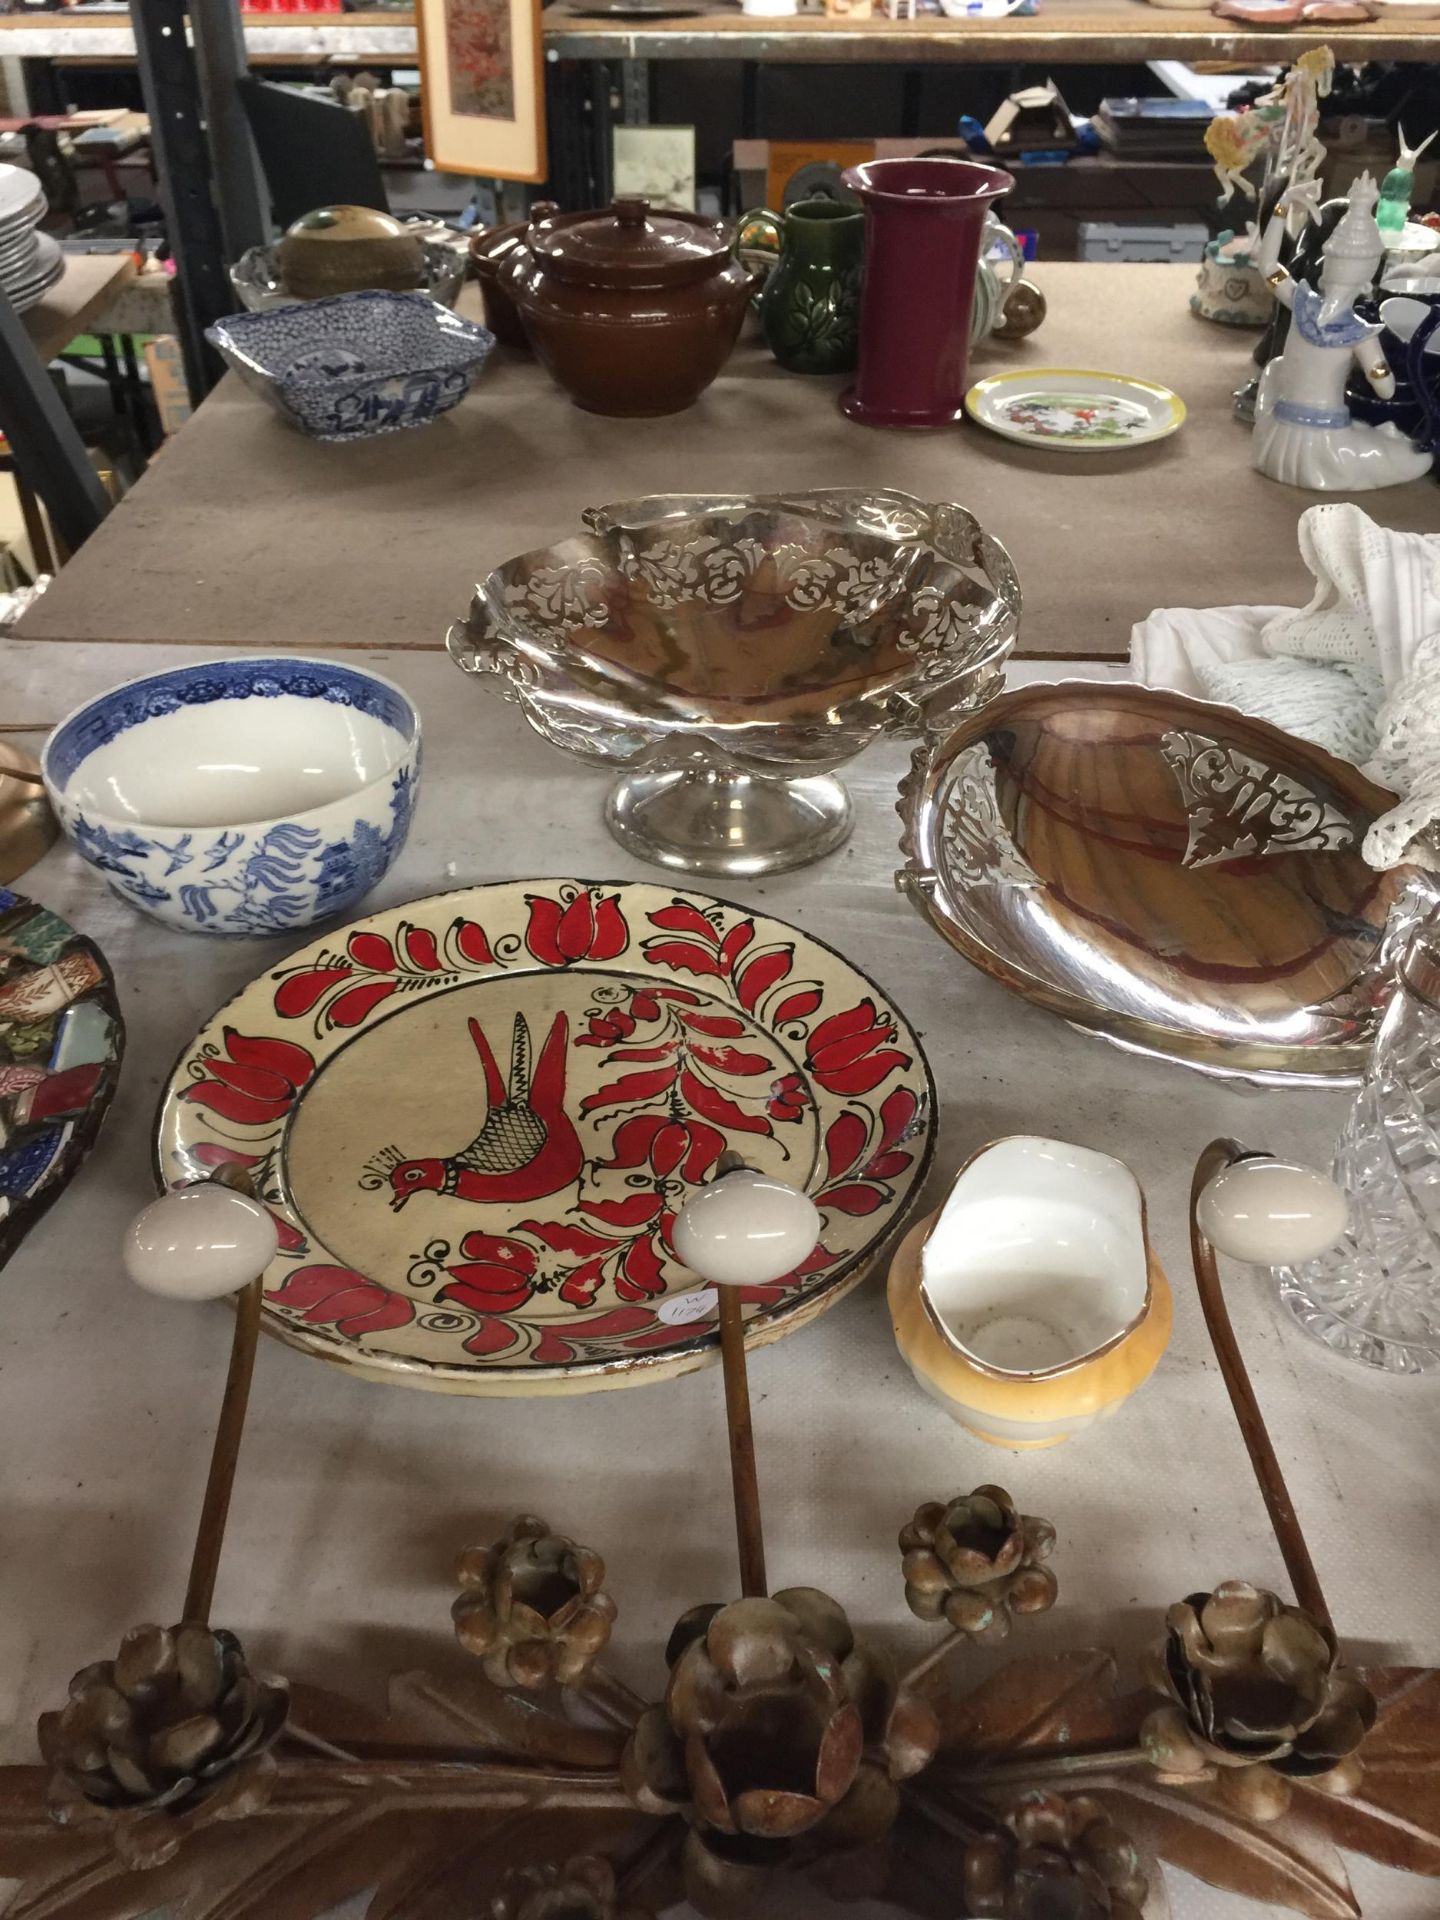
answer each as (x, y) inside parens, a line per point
(788, 1760)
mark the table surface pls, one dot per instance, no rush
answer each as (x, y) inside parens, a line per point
(247, 534)
(1064, 32)
(352, 1498)
(89, 282)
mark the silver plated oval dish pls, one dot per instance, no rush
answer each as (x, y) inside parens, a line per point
(1171, 874)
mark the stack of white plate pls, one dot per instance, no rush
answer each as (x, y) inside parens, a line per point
(30, 262)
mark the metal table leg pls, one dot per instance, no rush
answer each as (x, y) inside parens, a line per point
(601, 121)
(140, 409)
(170, 84)
(750, 99)
(48, 452)
(36, 532)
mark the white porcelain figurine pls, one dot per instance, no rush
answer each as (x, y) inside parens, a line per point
(1304, 434)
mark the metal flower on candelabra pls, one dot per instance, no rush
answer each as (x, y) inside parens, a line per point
(579, 1889)
(976, 1562)
(1063, 1857)
(787, 1760)
(532, 1606)
(176, 1724)
(780, 1739)
(1259, 1700)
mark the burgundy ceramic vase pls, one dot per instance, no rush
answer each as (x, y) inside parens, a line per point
(923, 225)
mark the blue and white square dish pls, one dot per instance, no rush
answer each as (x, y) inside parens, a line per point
(356, 366)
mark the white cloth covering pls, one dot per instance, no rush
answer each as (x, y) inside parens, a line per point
(1356, 670)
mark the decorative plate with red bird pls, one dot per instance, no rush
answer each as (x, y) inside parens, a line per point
(475, 1118)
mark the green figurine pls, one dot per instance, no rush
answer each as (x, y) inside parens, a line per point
(1398, 185)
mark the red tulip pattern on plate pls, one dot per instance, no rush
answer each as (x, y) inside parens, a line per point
(606, 1046)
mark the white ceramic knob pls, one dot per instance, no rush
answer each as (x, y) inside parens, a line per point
(197, 1243)
(1271, 1213)
(746, 1229)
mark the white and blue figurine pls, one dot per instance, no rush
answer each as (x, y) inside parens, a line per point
(248, 796)
(1304, 433)
(358, 365)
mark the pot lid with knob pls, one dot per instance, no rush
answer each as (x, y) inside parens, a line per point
(630, 244)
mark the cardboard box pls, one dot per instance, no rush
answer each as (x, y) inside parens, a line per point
(769, 172)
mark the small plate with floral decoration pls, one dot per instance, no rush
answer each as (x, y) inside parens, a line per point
(1073, 410)
(475, 1117)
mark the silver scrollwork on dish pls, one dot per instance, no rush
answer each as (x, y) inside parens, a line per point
(972, 831)
(1238, 806)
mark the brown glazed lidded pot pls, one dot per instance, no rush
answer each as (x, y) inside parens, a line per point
(491, 254)
(633, 312)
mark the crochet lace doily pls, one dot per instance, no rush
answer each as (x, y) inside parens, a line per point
(1356, 670)
(1333, 706)
(1377, 593)
(1408, 759)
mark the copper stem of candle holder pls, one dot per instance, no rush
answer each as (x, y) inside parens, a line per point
(748, 1527)
(1216, 1157)
(748, 1532)
(215, 1510)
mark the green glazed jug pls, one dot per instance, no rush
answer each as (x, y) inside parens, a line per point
(810, 304)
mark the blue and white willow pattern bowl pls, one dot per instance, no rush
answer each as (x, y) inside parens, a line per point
(242, 796)
(356, 366)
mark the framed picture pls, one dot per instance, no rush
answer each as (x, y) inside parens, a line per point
(657, 163)
(482, 86)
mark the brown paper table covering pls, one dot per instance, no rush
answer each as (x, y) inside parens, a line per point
(246, 534)
(352, 1498)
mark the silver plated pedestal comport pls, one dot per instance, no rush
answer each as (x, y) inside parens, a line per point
(726, 654)
(1375, 1297)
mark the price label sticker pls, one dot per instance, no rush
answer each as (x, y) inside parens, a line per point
(682, 1308)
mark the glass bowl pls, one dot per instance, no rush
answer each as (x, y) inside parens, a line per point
(259, 287)
(728, 653)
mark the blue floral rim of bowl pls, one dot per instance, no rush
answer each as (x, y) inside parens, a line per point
(106, 718)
